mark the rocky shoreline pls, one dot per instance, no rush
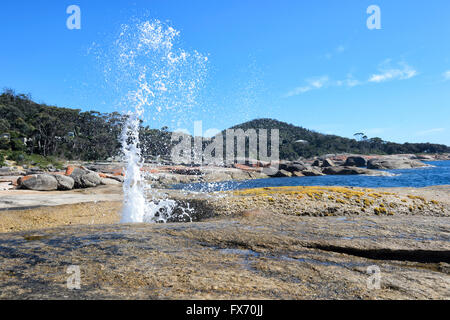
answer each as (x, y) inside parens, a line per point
(253, 255)
(268, 243)
(87, 175)
(271, 243)
(29, 210)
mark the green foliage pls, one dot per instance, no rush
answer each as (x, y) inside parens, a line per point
(68, 133)
(18, 145)
(2, 159)
(320, 144)
(4, 144)
(34, 160)
(16, 156)
(43, 162)
(52, 132)
(47, 129)
(4, 125)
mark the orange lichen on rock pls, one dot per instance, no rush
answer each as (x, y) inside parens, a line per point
(69, 170)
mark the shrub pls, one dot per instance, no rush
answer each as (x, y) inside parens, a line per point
(2, 159)
(22, 158)
(4, 144)
(18, 145)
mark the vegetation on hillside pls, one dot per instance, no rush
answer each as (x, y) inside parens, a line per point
(53, 132)
(296, 142)
(41, 134)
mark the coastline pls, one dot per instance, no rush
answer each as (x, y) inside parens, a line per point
(250, 254)
(23, 210)
(298, 242)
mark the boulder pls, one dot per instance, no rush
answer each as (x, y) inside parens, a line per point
(258, 175)
(51, 168)
(282, 174)
(338, 162)
(40, 182)
(64, 182)
(261, 164)
(76, 173)
(317, 163)
(443, 157)
(34, 170)
(424, 157)
(11, 171)
(244, 167)
(312, 172)
(186, 171)
(292, 166)
(327, 163)
(353, 171)
(84, 178)
(343, 171)
(394, 163)
(119, 178)
(110, 182)
(90, 180)
(298, 174)
(355, 162)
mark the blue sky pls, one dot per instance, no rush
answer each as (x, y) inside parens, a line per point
(310, 63)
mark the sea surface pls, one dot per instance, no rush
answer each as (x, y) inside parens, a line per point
(439, 174)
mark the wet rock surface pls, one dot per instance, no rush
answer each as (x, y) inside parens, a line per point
(248, 244)
(255, 254)
(46, 209)
(336, 201)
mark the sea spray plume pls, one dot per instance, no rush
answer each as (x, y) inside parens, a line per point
(144, 56)
(134, 205)
(155, 77)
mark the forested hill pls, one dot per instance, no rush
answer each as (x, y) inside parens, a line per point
(298, 142)
(66, 133)
(61, 132)
(27, 127)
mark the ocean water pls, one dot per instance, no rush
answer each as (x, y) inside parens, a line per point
(439, 174)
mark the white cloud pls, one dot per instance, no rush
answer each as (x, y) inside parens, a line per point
(348, 82)
(446, 75)
(340, 49)
(406, 72)
(321, 82)
(430, 131)
(387, 73)
(313, 84)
